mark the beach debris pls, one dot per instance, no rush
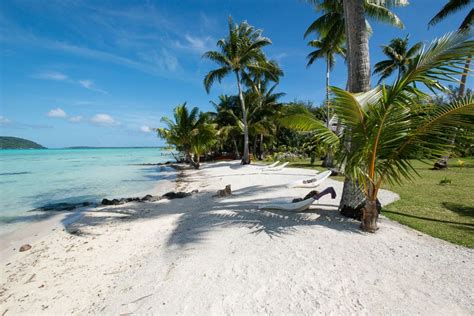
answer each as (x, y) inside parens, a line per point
(225, 192)
(441, 164)
(25, 247)
(31, 278)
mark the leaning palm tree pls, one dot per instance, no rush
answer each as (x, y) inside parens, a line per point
(385, 126)
(191, 132)
(449, 8)
(399, 57)
(240, 51)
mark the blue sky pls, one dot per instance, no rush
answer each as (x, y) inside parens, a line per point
(102, 73)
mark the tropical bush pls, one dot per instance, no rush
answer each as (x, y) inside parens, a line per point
(388, 123)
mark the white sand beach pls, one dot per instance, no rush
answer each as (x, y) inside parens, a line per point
(207, 255)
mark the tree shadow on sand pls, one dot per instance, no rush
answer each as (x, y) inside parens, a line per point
(195, 222)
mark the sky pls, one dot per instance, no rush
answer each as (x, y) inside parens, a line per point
(103, 73)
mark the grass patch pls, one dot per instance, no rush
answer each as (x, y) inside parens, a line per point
(440, 208)
(439, 203)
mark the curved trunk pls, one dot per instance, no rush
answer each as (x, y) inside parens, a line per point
(245, 157)
(353, 199)
(196, 161)
(236, 149)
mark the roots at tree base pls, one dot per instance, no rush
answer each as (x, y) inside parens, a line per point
(353, 201)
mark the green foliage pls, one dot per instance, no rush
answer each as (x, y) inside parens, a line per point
(451, 7)
(445, 181)
(387, 124)
(8, 142)
(241, 53)
(331, 21)
(399, 57)
(191, 132)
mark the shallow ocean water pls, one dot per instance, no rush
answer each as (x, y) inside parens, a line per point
(33, 178)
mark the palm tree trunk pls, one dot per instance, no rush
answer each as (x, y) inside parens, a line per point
(353, 199)
(328, 160)
(465, 73)
(236, 149)
(442, 163)
(327, 92)
(370, 216)
(245, 157)
(260, 150)
(255, 142)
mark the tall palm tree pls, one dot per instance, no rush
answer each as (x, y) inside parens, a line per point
(239, 52)
(191, 132)
(399, 57)
(449, 8)
(327, 47)
(332, 21)
(385, 126)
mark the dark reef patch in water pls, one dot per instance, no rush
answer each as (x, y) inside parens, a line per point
(14, 173)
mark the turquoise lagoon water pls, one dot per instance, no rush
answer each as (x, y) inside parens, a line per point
(32, 178)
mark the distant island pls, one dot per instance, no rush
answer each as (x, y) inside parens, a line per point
(8, 142)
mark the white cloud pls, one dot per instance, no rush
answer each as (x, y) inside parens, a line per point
(58, 112)
(197, 44)
(146, 129)
(104, 120)
(160, 60)
(4, 120)
(75, 119)
(90, 85)
(51, 75)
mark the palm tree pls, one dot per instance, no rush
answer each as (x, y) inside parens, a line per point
(240, 51)
(327, 47)
(385, 126)
(191, 132)
(449, 8)
(344, 15)
(332, 23)
(227, 122)
(264, 109)
(399, 57)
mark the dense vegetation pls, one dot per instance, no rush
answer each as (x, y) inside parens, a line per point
(8, 142)
(370, 133)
